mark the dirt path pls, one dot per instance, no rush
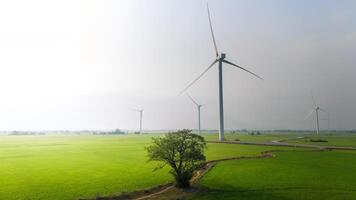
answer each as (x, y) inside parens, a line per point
(155, 194)
(287, 139)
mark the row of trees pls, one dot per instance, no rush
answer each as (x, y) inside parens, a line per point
(26, 133)
(114, 132)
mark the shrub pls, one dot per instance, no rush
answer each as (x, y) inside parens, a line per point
(318, 140)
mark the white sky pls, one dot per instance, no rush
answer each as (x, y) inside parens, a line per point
(74, 64)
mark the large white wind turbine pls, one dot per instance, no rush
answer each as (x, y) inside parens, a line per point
(140, 111)
(220, 58)
(316, 109)
(198, 107)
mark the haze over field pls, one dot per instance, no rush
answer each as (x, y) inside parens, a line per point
(84, 64)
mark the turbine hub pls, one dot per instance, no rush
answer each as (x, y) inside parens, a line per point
(222, 56)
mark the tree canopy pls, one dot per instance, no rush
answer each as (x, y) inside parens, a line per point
(183, 151)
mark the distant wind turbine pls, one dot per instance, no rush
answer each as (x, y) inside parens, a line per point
(140, 111)
(316, 109)
(220, 58)
(198, 107)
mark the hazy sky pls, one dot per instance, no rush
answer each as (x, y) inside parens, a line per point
(74, 64)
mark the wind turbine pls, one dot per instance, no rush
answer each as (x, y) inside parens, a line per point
(316, 109)
(220, 58)
(198, 107)
(140, 111)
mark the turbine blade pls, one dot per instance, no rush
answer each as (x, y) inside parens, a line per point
(195, 80)
(228, 62)
(192, 100)
(323, 110)
(212, 31)
(312, 96)
(308, 115)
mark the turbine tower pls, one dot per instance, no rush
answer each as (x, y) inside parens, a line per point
(220, 58)
(316, 109)
(328, 121)
(140, 111)
(198, 107)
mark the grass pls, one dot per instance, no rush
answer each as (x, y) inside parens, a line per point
(249, 138)
(339, 139)
(72, 167)
(69, 167)
(333, 139)
(289, 175)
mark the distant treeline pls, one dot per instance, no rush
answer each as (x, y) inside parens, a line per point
(84, 132)
(26, 133)
(114, 132)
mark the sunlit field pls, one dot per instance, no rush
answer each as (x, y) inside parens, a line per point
(73, 167)
(289, 175)
(69, 167)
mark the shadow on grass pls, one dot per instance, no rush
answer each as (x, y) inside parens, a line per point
(209, 194)
(282, 193)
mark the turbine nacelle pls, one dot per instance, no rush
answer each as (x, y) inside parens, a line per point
(222, 57)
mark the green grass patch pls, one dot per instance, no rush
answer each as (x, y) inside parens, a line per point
(290, 175)
(333, 139)
(251, 138)
(336, 139)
